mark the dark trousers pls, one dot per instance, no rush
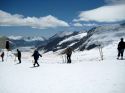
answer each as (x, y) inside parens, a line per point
(120, 52)
(19, 58)
(2, 59)
(36, 62)
(68, 58)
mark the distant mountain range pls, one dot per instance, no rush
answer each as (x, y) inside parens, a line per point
(82, 40)
(20, 41)
(101, 35)
(62, 40)
(28, 39)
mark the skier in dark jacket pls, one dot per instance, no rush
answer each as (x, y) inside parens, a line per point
(36, 57)
(19, 55)
(2, 56)
(68, 52)
(121, 47)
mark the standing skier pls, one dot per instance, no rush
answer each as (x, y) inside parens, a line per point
(121, 47)
(19, 55)
(68, 52)
(2, 56)
(36, 57)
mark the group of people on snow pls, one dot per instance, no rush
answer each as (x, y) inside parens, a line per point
(36, 54)
(67, 51)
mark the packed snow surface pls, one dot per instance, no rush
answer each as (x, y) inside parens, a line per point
(86, 74)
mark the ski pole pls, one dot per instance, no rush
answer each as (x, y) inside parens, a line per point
(100, 52)
(62, 59)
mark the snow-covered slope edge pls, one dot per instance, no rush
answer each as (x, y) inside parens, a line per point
(104, 35)
(63, 40)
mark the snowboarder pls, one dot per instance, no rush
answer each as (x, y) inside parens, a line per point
(68, 52)
(121, 47)
(19, 55)
(36, 57)
(2, 56)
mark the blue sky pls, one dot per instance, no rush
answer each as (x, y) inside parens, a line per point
(63, 9)
(47, 17)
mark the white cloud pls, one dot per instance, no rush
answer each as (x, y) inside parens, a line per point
(85, 24)
(90, 24)
(77, 24)
(115, 1)
(7, 19)
(112, 13)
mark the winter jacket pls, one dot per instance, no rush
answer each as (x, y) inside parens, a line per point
(36, 55)
(19, 54)
(121, 45)
(68, 51)
(2, 55)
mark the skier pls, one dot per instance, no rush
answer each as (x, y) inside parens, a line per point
(121, 47)
(68, 52)
(2, 56)
(19, 55)
(36, 57)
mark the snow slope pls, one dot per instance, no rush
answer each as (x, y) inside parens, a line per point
(53, 42)
(105, 35)
(61, 34)
(86, 74)
(72, 38)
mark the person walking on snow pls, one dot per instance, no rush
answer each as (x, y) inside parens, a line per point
(68, 52)
(121, 47)
(36, 57)
(2, 56)
(19, 55)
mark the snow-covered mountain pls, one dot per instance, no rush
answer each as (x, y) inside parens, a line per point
(74, 37)
(104, 35)
(61, 34)
(62, 40)
(21, 41)
(85, 40)
(35, 38)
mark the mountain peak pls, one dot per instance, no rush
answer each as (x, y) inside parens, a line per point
(62, 34)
